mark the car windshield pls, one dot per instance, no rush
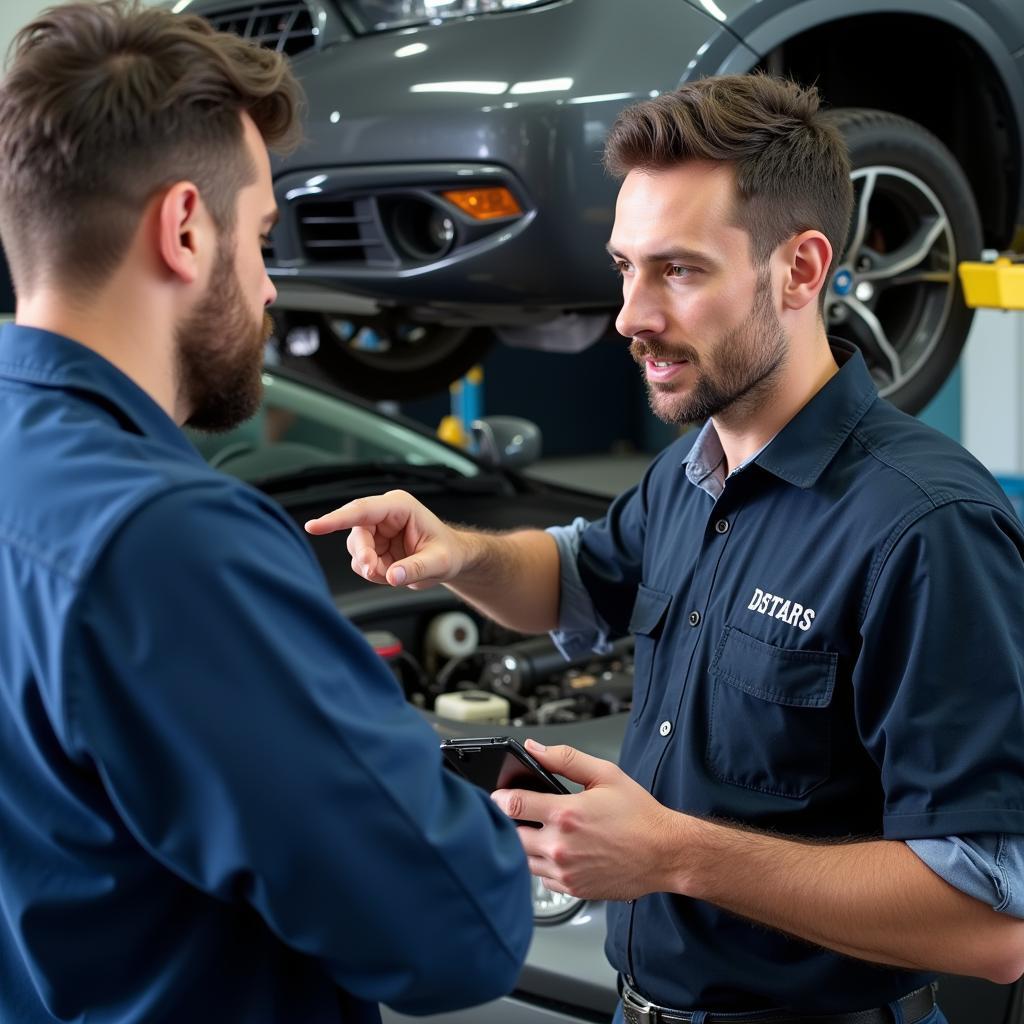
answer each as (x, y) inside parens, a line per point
(299, 427)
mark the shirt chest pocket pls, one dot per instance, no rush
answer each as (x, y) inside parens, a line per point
(769, 723)
(645, 624)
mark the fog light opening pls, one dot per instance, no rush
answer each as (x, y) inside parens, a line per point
(422, 231)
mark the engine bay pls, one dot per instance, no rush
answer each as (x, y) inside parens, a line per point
(464, 668)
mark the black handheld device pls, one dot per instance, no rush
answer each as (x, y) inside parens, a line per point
(500, 762)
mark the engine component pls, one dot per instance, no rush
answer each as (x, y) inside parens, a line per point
(384, 642)
(610, 687)
(452, 635)
(405, 668)
(521, 667)
(475, 671)
(473, 706)
(388, 647)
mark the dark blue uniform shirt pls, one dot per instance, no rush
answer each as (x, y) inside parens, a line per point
(833, 648)
(215, 804)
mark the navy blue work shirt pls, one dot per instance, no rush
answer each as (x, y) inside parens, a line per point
(215, 803)
(831, 649)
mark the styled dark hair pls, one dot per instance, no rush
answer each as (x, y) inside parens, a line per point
(792, 166)
(106, 103)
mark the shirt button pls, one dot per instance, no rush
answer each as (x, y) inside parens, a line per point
(722, 526)
(694, 618)
(630, 980)
(665, 728)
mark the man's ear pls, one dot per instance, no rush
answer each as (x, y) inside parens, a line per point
(807, 257)
(180, 230)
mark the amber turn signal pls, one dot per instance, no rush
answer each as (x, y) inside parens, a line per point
(485, 203)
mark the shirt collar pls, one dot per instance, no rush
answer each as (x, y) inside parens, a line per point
(705, 455)
(802, 449)
(48, 360)
(705, 462)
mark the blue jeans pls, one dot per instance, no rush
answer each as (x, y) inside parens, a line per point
(935, 1017)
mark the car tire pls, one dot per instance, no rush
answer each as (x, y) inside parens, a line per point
(381, 357)
(895, 291)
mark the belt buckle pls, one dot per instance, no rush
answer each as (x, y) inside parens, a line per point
(636, 1009)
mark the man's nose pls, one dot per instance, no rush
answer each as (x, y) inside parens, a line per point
(641, 311)
(269, 291)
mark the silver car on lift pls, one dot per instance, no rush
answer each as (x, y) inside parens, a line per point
(450, 191)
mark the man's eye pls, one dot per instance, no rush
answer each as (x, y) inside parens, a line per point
(677, 271)
(620, 266)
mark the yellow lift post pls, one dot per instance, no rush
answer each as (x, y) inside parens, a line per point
(996, 284)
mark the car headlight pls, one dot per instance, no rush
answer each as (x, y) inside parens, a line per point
(551, 906)
(379, 15)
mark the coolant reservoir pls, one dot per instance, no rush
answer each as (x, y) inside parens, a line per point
(473, 706)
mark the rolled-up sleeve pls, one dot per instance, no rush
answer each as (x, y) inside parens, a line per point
(580, 628)
(989, 867)
(601, 565)
(256, 746)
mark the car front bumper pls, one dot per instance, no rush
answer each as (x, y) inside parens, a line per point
(523, 99)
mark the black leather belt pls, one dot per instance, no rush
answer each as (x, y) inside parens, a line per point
(915, 1005)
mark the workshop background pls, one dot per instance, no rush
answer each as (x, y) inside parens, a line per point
(598, 435)
(592, 409)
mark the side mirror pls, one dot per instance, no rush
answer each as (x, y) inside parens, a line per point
(507, 441)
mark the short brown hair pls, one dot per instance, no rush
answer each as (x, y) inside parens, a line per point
(792, 166)
(106, 103)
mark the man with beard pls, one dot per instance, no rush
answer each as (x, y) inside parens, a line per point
(821, 793)
(215, 803)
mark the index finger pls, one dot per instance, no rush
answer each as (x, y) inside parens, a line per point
(362, 512)
(526, 805)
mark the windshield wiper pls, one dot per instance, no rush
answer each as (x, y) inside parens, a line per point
(381, 474)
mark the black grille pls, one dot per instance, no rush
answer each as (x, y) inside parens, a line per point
(342, 231)
(285, 25)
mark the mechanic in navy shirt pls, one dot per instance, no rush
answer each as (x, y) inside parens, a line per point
(827, 734)
(215, 803)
